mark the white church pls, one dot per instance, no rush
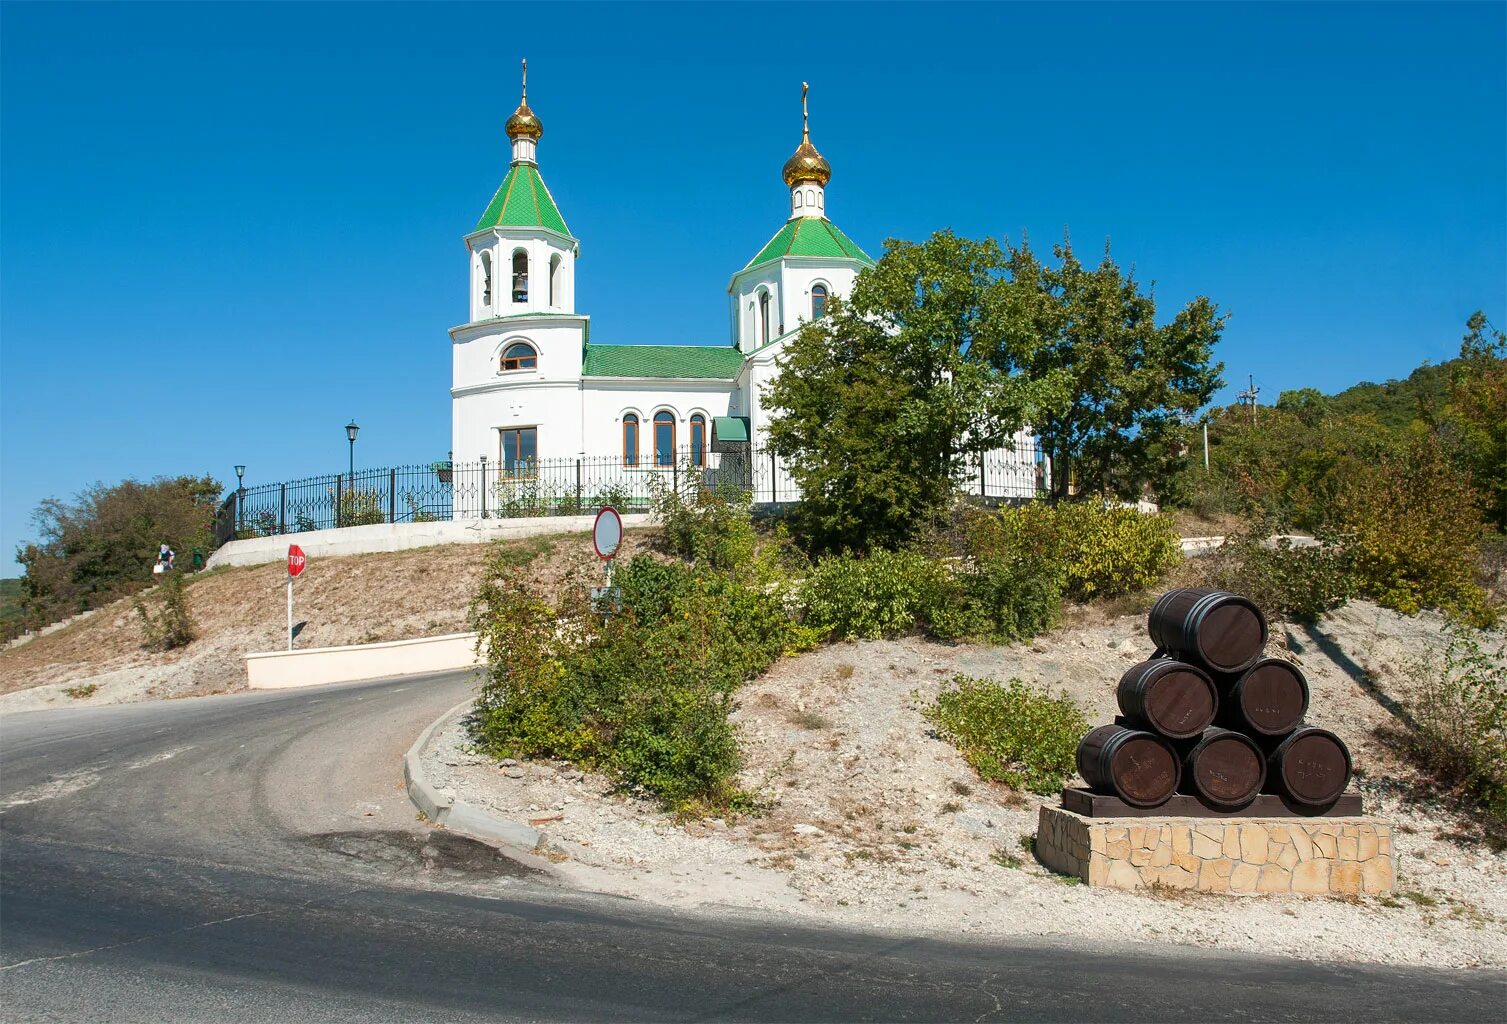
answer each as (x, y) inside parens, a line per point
(529, 385)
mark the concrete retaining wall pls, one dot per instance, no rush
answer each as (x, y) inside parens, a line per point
(360, 540)
(277, 670)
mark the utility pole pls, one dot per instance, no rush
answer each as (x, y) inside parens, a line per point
(1249, 396)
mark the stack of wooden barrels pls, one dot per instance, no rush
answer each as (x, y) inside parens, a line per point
(1210, 716)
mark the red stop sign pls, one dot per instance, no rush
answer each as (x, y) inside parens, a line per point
(296, 560)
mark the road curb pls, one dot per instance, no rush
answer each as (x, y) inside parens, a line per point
(442, 807)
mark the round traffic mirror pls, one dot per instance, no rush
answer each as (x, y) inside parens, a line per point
(607, 534)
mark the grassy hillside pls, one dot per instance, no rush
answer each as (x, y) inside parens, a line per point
(349, 600)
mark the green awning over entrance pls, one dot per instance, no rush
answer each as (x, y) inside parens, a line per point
(729, 430)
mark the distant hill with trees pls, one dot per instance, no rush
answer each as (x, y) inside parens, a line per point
(1395, 404)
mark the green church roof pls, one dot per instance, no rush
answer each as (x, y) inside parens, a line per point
(692, 362)
(809, 236)
(522, 201)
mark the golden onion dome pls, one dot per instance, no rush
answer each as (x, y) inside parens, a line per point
(525, 124)
(806, 164)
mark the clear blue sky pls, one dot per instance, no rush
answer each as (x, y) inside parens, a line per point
(263, 206)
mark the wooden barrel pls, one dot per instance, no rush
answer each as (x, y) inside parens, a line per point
(1269, 699)
(1311, 767)
(1220, 631)
(1174, 698)
(1139, 767)
(1224, 769)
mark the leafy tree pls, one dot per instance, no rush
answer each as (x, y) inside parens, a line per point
(1117, 387)
(946, 348)
(1478, 406)
(1411, 529)
(1310, 405)
(1285, 469)
(878, 404)
(101, 545)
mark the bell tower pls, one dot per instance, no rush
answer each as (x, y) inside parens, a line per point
(808, 263)
(522, 255)
(516, 361)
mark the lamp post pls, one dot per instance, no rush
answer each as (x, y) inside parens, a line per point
(240, 497)
(350, 433)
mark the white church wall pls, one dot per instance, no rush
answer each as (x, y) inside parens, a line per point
(552, 408)
(605, 403)
(796, 280)
(746, 290)
(477, 350)
(487, 399)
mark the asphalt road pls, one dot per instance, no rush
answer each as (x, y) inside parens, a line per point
(254, 858)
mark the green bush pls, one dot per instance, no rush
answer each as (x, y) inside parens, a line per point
(171, 626)
(360, 508)
(1291, 583)
(1009, 578)
(1109, 551)
(643, 695)
(711, 526)
(1461, 716)
(998, 601)
(995, 577)
(619, 496)
(1010, 733)
(886, 594)
(1411, 528)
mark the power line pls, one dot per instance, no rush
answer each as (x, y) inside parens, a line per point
(1248, 396)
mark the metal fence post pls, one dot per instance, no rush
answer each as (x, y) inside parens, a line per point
(339, 492)
(579, 507)
(675, 474)
(392, 495)
(983, 488)
(774, 480)
(484, 487)
(282, 508)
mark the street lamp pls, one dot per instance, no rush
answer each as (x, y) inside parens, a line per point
(240, 496)
(350, 432)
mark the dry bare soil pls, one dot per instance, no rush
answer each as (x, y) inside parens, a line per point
(349, 600)
(875, 820)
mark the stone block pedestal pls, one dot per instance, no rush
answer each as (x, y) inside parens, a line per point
(1318, 856)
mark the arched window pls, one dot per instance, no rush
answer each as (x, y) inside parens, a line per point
(520, 276)
(486, 279)
(664, 438)
(698, 440)
(630, 440)
(818, 301)
(763, 318)
(555, 280)
(520, 356)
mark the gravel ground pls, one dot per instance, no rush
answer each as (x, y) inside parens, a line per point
(876, 822)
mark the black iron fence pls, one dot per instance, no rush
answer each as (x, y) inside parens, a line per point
(553, 487)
